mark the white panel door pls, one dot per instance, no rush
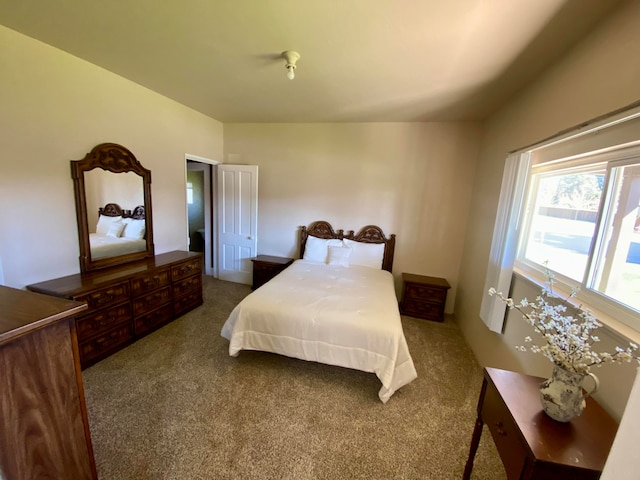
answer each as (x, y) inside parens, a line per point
(237, 221)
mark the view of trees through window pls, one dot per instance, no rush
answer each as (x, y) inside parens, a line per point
(584, 224)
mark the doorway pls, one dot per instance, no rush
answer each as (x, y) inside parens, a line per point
(200, 173)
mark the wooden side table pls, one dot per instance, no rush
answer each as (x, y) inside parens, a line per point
(265, 267)
(531, 444)
(423, 297)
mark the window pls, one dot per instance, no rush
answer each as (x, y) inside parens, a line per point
(572, 204)
(581, 221)
(189, 193)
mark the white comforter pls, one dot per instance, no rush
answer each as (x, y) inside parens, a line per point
(345, 316)
(103, 246)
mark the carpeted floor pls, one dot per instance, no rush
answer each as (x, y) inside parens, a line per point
(175, 405)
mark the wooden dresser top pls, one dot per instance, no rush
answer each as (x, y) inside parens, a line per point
(22, 312)
(75, 284)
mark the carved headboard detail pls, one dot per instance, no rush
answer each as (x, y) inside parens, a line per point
(368, 234)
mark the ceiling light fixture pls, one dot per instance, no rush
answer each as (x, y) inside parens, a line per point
(291, 57)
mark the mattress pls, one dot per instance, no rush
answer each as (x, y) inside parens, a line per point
(343, 316)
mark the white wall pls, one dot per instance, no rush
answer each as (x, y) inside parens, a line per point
(599, 75)
(55, 108)
(411, 179)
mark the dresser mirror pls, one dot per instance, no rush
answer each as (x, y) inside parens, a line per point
(113, 207)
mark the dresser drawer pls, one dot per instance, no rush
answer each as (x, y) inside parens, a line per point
(106, 297)
(186, 269)
(153, 320)
(187, 285)
(103, 320)
(104, 344)
(505, 433)
(425, 292)
(419, 309)
(187, 302)
(141, 285)
(151, 301)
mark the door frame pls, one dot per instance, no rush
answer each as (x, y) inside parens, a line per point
(210, 214)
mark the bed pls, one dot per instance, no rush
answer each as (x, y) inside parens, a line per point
(336, 305)
(118, 231)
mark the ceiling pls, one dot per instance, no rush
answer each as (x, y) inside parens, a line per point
(361, 60)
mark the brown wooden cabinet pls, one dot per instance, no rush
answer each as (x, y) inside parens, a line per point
(265, 267)
(423, 297)
(531, 444)
(129, 301)
(45, 430)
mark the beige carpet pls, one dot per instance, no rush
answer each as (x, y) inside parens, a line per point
(175, 405)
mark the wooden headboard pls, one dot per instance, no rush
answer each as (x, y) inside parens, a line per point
(368, 234)
(114, 210)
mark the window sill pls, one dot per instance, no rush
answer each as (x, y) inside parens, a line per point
(619, 331)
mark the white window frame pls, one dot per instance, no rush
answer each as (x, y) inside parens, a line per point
(615, 137)
(588, 297)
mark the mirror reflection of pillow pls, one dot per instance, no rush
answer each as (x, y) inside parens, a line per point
(134, 229)
(115, 230)
(104, 222)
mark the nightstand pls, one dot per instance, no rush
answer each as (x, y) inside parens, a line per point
(423, 297)
(533, 446)
(265, 267)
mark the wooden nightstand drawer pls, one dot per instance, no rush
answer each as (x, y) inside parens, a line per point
(425, 292)
(423, 297)
(419, 309)
(505, 434)
(265, 267)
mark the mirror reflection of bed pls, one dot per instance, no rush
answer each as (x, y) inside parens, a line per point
(118, 231)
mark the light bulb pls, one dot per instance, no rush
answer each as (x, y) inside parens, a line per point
(291, 74)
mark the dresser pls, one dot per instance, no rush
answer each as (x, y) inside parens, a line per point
(45, 430)
(423, 297)
(129, 301)
(533, 446)
(265, 267)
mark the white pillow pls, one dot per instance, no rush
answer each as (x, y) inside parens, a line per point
(365, 254)
(115, 230)
(339, 256)
(134, 229)
(316, 249)
(104, 222)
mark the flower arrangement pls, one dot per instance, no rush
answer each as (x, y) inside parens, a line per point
(569, 339)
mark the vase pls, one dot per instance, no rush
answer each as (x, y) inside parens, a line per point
(562, 395)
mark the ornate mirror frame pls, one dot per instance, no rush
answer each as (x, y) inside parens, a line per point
(114, 158)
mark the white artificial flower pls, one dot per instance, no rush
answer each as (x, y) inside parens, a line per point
(567, 339)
